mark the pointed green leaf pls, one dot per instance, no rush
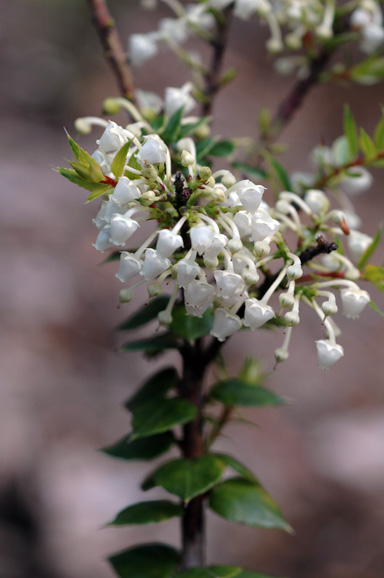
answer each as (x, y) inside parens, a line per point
(370, 250)
(281, 174)
(237, 466)
(160, 415)
(145, 314)
(367, 145)
(211, 572)
(190, 127)
(147, 513)
(140, 449)
(375, 274)
(133, 163)
(74, 177)
(222, 148)
(172, 127)
(254, 172)
(379, 133)
(120, 160)
(203, 147)
(146, 561)
(155, 387)
(188, 327)
(350, 131)
(152, 345)
(157, 122)
(74, 146)
(240, 500)
(189, 478)
(99, 191)
(238, 392)
(373, 305)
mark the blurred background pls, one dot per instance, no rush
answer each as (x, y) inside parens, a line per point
(63, 383)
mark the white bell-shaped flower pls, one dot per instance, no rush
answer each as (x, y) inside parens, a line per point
(154, 264)
(328, 353)
(250, 196)
(358, 243)
(294, 271)
(113, 138)
(125, 191)
(242, 221)
(229, 284)
(257, 313)
(168, 242)
(354, 301)
(187, 271)
(122, 228)
(232, 200)
(103, 160)
(100, 220)
(103, 240)
(201, 238)
(141, 47)
(217, 245)
(130, 266)
(263, 226)
(176, 98)
(225, 324)
(358, 183)
(153, 151)
(316, 201)
(112, 208)
(198, 294)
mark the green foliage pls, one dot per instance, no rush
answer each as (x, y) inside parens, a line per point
(370, 71)
(350, 131)
(151, 345)
(237, 466)
(370, 250)
(146, 448)
(246, 502)
(279, 173)
(159, 415)
(238, 392)
(187, 478)
(188, 327)
(154, 388)
(145, 315)
(147, 513)
(172, 128)
(120, 160)
(375, 274)
(146, 561)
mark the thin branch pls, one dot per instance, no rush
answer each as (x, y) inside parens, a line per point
(113, 49)
(219, 45)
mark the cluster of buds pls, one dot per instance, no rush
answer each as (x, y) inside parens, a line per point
(219, 244)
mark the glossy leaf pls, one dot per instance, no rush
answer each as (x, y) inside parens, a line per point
(254, 172)
(75, 178)
(238, 392)
(140, 449)
(237, 466)
(211, 572)
(188, 478)
(147, 513)
(151, 344)
(375, 275)
(188, 327)
(145, 315)
(240, 500)
(146, 561)
(350, 131)
(172, 128)
(222, 148)
(203, 147)
(367, 145)
(120, 160)
(370, 250)
(99, 191)
(155, 387)
(160, 415)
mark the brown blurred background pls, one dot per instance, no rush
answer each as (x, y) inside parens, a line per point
(62, 382)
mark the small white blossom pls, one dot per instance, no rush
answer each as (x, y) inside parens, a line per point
(354, 301)
(229, 284)
(154, 264)
(176, 98)
(103, 240)
(154, 150)
(125, 191)
(130, 266)
(142, 47)
(257, 313)
(122, 228)
(328, 353)
(225, 324)
(168, 242)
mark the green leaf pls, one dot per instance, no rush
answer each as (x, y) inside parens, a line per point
(74, 146)
(368, 72)
(74, 177)
(222, 148)
(249, 170)
(120, 160)
(203, 147)
(237, 392)
(281, 174)
(133, 163)
(172, 127)
(160, 415)
(240, 500)
(237, 466)
(370, 250)
(189, 327)
(373, 305)
(375, 274)
(146, 561)
(147, 513)
(367, 145)
(99, 191)
(155, 387)
(379, 133)
(211, 572)
(145, 314)
(190, 127)
(188, 478)
(140, 449)
(152, 345)
(350, 131)
(157, 122)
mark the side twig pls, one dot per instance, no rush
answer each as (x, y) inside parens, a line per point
(113, 49)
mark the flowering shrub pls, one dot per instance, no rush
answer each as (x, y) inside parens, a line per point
(217, 258)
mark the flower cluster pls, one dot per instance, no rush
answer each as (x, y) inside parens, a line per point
(217, 241)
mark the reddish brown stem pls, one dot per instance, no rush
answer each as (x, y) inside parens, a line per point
(113, 50)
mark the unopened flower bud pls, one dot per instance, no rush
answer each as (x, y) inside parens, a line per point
(316, 201)
(204, 173)
(281, 354)
(329, 307)
(228, 180)
(235, 245)
(286, 299)
(164, 317)
(125, 295)
(187, 159)
(294, 271)
(292, 318)
(154, 289)
(110, 106)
